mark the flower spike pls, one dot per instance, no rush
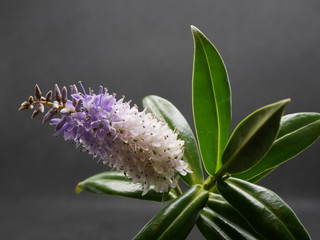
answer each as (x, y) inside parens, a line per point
(135, 143)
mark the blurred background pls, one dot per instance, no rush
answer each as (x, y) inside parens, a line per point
(136, 48)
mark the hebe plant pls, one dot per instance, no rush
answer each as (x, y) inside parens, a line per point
(149, 148)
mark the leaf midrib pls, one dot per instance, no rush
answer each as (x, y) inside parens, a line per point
(214, 225)
(270, 210)
(279, 139)
(185, 209)
(239, 149)
(234, 226)
(216, 105)
(297, 129)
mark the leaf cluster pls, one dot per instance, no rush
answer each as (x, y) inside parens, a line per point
(228, 204)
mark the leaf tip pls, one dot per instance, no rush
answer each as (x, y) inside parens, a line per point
(284, 102)
(280, 104)
(287, 100)
(194, 30)
(79, 188)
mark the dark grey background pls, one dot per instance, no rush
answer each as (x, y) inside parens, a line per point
(137, 48)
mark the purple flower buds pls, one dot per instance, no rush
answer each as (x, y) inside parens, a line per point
(73, 89)
(37, 92)
(64, 93)
(133, 142)
(25, 105)
(30, 100)
(49, 115)
(48, 96)
(55, 105)
(57, 93)
(35, 113)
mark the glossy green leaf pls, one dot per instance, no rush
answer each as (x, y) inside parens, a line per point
(115, 183)
(264, 210)
(252, 138)
(215, 226)
(209, 228)
(211, 101)
(165, 110)
(176, 220)
(219, 220)
(297, 132)
(261, 175)
(291, 123)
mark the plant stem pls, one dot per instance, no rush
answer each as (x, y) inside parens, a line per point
(177, 190)
(209, 183)
(211, 180)
(61, 106)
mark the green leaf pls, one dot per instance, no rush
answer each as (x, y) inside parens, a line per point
(165, 110)
(259, 176)
(211, 101)
(215, 226)
(252, 138)
(115, 183)
(219, 220)
(264, 210)
(294, 122)
(177, 219)
(297, 132)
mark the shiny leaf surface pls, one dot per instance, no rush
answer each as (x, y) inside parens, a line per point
(264, 210)
(176, 220)
(211, 101)
(219, 220)
(115, 183)
(297, 132)
(252, 138)
(215, 226)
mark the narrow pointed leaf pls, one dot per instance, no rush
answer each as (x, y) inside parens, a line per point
(211, 101)
(261, 175)
(219, 220)
(165, 110)
(252, 138)
(209, 228)
(297, 132)
(115, 183)
(264, 210)
(290, 123)
(176, 220)
(220, 206)
(213, 225)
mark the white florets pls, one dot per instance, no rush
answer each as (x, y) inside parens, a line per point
(146, 149)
